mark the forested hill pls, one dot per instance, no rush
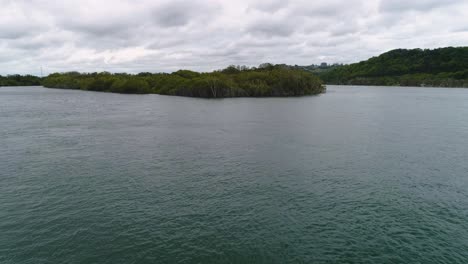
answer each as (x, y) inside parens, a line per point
(445, 67)
(266, 80)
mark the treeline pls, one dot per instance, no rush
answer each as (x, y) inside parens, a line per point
(444, 67)
(234, 81)
(20, 80)
(318, 69)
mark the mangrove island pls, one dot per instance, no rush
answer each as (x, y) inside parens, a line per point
(267, 80)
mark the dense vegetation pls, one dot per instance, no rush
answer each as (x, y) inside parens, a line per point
(444, 67)
(19, 80)
(266, 80)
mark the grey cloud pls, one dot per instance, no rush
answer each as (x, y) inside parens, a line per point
(461, 29)
(336, 41)
(12, 33)
(172, 16)
(343, 28)
(165, 35)
(271, 28)
(270, 6)
(180, 13)
(15, 24)
(98, 21)
(98, 29)
(166, 43)
(329, 8)
(416, 5)
(32, 44)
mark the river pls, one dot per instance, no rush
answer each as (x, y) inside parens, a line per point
(356, 175)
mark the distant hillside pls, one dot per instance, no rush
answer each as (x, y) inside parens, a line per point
(316, 69)
(445, 67)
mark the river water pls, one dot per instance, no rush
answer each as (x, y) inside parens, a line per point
(356, 175)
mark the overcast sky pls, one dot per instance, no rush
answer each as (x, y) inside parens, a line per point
(159, 35)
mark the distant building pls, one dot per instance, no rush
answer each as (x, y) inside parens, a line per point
(323, 64)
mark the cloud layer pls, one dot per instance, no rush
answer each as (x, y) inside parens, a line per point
(203, 35)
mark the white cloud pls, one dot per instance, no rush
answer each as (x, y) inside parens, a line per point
(165, 35)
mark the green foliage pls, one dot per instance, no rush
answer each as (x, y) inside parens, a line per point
(234, 81)
(132, 85)
(19, 80)
(447, 67)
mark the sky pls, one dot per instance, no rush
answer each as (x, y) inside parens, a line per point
(203, 35)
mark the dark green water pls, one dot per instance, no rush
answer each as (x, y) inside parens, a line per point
(358, 175)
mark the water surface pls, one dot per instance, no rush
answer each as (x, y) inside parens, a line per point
(357, 175)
